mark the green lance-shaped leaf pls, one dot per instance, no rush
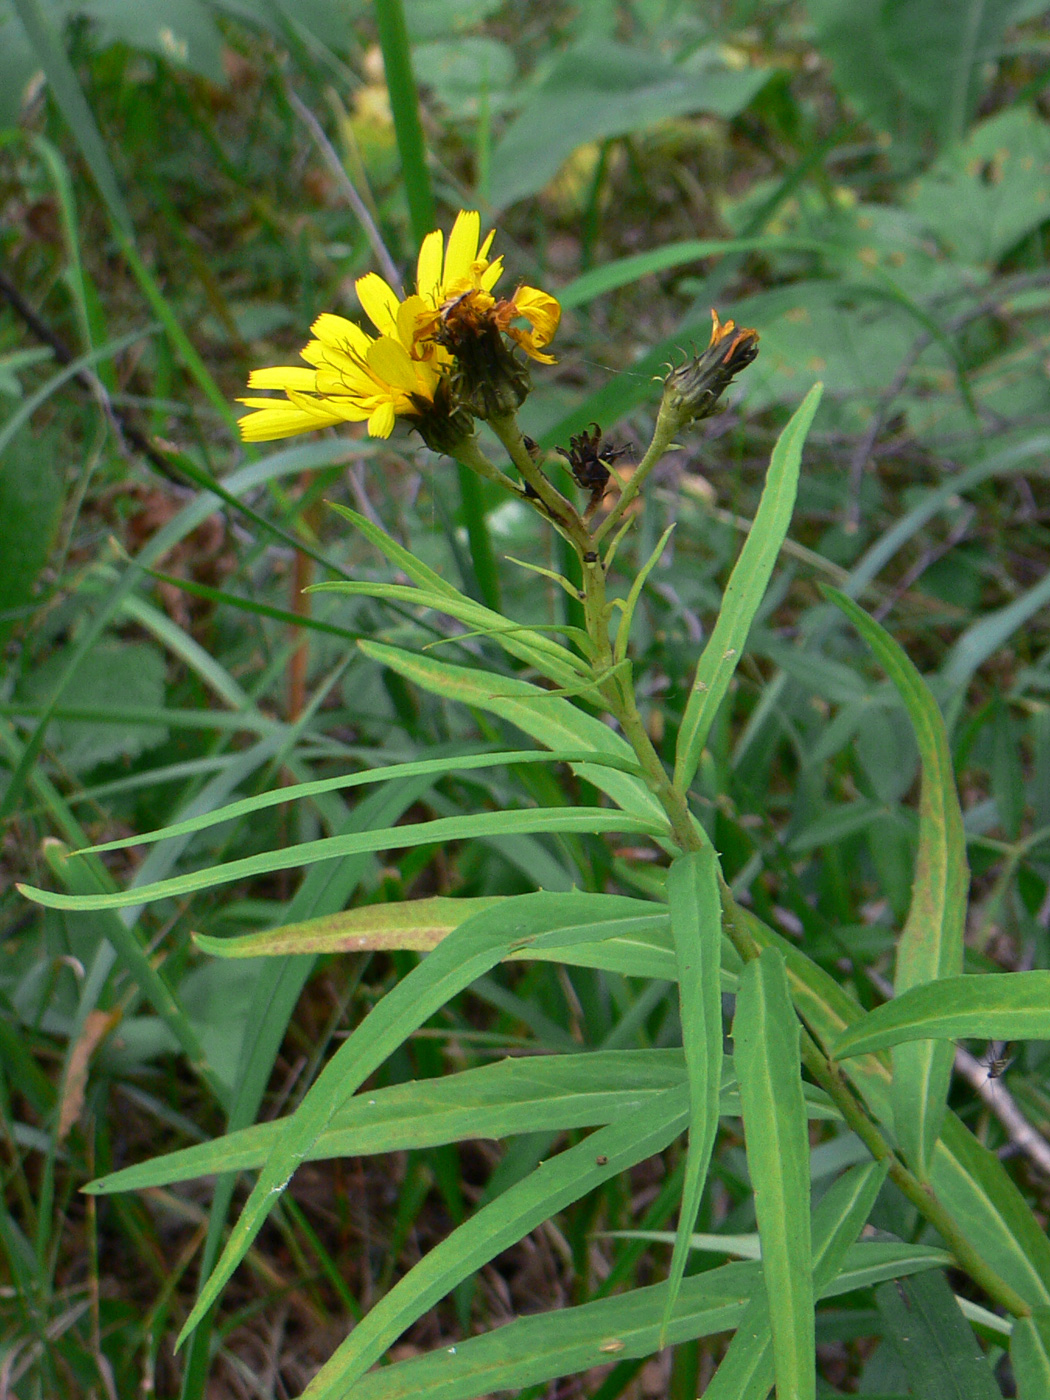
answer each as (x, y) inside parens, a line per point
(461, 762)
(535, 1349)
(549, 719)
(746, 1370)
(931, 942)
(1030, 1355)
(766, 1035)
(934, 1342)
(552, 1186)
(521, 1094)
(523, 821)
(993, 1006)
(966, 1177)
(469, 952)
(696, 927)
(745, 591)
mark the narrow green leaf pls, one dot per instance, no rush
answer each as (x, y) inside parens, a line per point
(295, 792)
(696, 927)
(989, 1006)
(623, 632)
(968, 1178)
(766, 1039)
(975, 1186)
(549, 719)
(931, 942)
(746, 1370)
(548, 656)
(531, 1350)
(1030, 1355)
(552, 1186)
(934, 1342)
(528, 1094)
(473, 949)
(745, 591)
(510, 823)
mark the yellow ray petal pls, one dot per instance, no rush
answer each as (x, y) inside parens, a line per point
(379, 302)
(492, 274)
(341, 334)
(381, 423)
(388, 360)
(277, 420)
(462, 245)
(483, 251)
(541, 310)
(428, 268)
(282, 377)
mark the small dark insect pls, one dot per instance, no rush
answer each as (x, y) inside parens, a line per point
(601, 1161)
(999, 1058)
(590, 459)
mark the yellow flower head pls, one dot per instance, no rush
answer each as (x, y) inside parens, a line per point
(354, 378)
(415, 367)
(456, 282)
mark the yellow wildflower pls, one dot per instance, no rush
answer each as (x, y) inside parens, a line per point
(456, 282)
(354, 378)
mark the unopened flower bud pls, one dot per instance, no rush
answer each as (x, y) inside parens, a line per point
(692, 390)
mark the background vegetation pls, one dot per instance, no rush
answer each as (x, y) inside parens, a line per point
(178, 183)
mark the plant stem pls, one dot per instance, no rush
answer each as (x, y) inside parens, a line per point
(562, 513)
(663, 435)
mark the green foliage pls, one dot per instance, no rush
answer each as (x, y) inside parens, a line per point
(297, 877)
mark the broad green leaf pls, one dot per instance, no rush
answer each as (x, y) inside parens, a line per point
(471, 950)
(248, 806)
(116, 676)
(549, 719)
(553, 1185)
(989, 1006)
(531, 1350)
(934, 1342)
(30, 506)
(982, 196)
(696, 927)
(745, 591)
(766, 1034)
(931, 943)
(1030, 1355)
(508, 823)
(599, 90)
(746, 1370)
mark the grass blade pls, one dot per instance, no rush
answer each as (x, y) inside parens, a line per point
(745, 591)
(766, 1038)
(931, 942)
(696, 927)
